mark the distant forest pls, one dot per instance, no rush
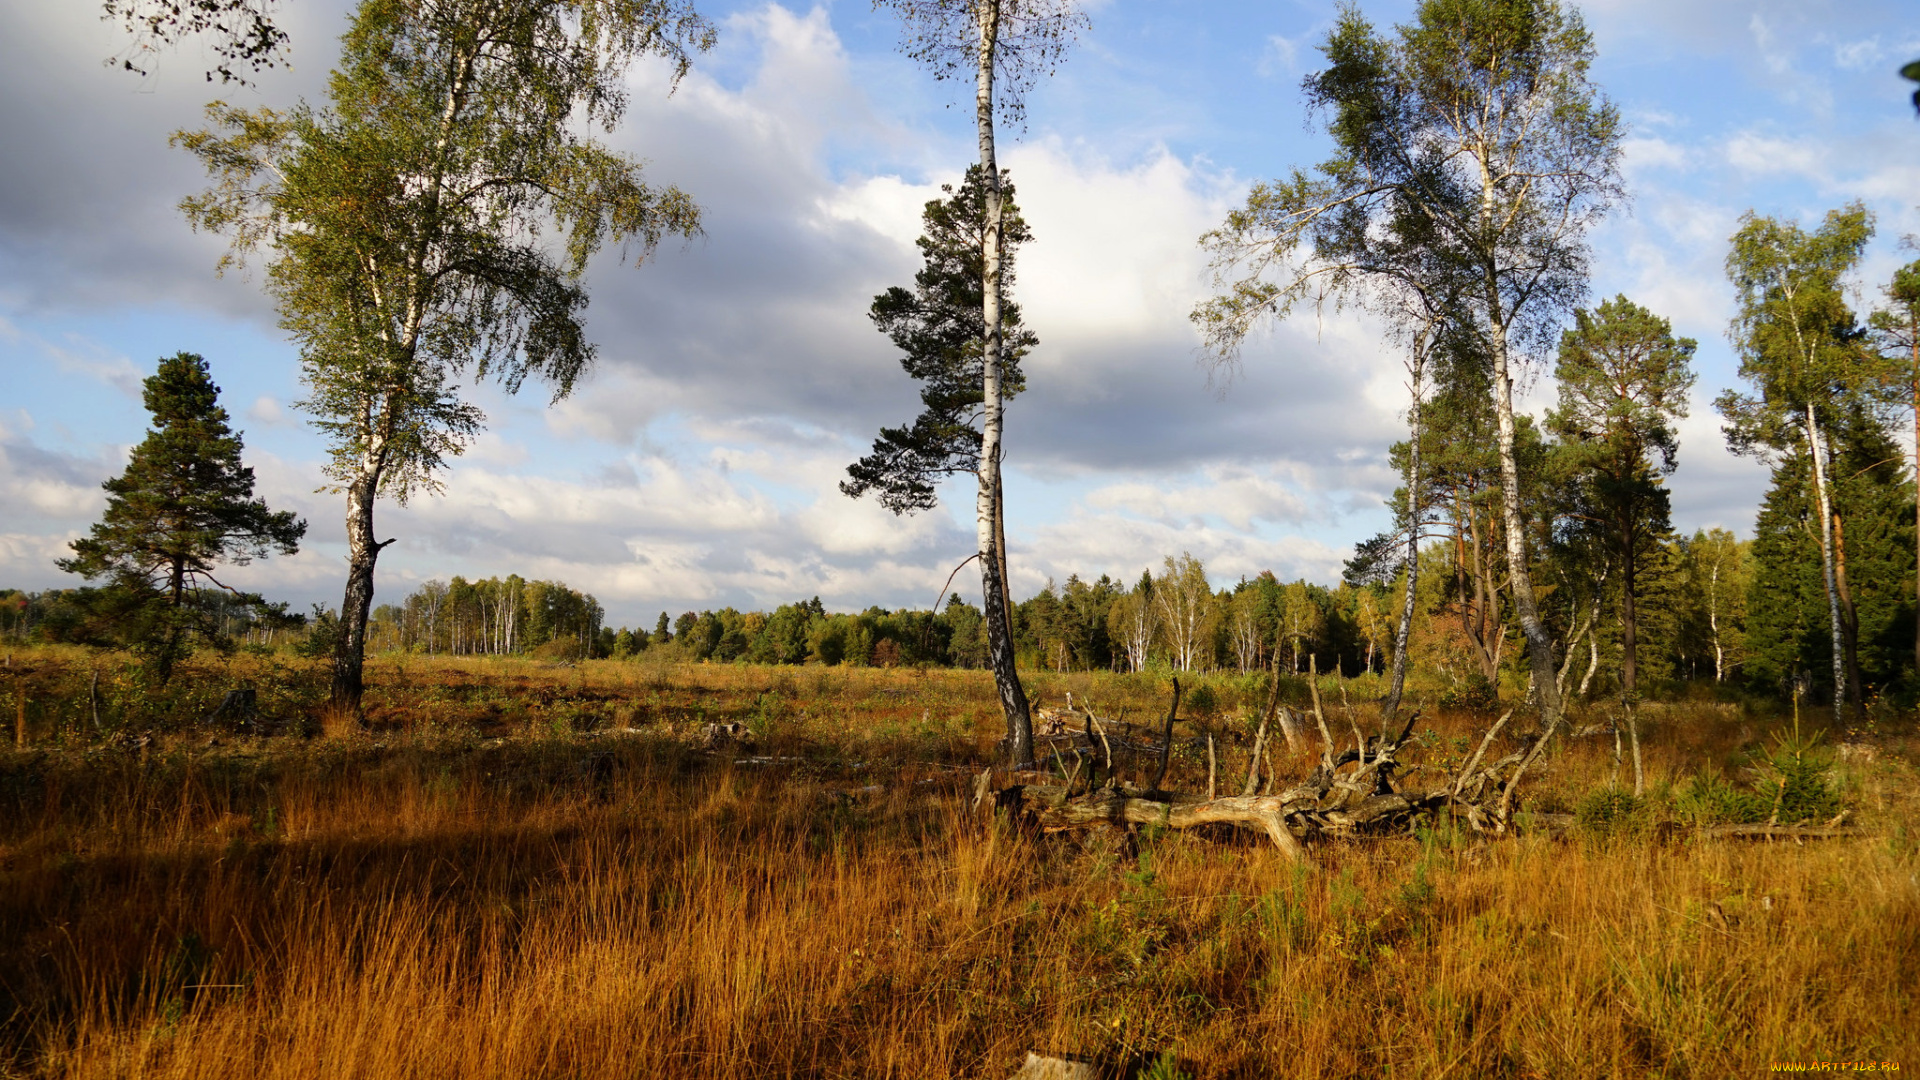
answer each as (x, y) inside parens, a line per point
(1695, 625)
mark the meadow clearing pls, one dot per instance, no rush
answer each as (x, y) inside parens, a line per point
(531, 869)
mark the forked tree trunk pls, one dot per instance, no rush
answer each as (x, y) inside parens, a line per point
(1013, 697)
(1850, 621)
(350, 650)
(1825, 505)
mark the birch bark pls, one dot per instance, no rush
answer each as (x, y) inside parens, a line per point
(1018, 747)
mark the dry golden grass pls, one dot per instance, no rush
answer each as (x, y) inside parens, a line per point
(480, 889)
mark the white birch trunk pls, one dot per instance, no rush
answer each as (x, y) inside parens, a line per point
(987, 515)
(1815, 449)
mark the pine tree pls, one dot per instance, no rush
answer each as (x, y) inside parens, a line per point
(1623, 380)
(937, 326)
(183, 506)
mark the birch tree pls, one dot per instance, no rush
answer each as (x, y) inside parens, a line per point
(1244, 628)
(1004, 46)
(1183, 605)
(1474, 134)
(1797, 343)
(1131, 623)
(405, 224)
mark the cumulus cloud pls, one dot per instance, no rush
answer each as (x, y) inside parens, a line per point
(739, 374)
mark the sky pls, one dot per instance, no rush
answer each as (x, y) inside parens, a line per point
(697, 466)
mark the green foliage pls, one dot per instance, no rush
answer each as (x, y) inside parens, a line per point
(1611, 811)
(1709, 798)
(1203, 701)
(939, 329)
(1623, 380)
(1164, 1067)
(1475, 692)
(431, 222)
(496, 616)
(323, 633)
(1800, 772)
(1787, 618)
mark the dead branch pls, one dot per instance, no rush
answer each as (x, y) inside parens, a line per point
(1166, 740)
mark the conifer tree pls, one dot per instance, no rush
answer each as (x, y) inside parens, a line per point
(1896, 331)
(183, 506)
(1003, 46)
(1623, 379)
(939, 330)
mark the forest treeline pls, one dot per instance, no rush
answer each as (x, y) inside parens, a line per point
(1713, 609)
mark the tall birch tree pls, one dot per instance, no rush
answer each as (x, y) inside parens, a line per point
(406, 226)
(1475, 133)
(1798, 351)
(1004, 46)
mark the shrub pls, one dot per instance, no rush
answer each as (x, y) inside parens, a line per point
(1609, 811)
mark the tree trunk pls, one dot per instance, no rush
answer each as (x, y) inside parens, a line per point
(1000, 530)
(1405, 630)
(1850, 621)
(1013, 697)
(1825, 506)
(1916, 493)
(1519, 573)
(1629, 625)
(349, 651)
(1713, 621)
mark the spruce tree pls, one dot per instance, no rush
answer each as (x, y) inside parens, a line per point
(183, 506)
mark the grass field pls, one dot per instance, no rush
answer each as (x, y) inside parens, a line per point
(537, 871)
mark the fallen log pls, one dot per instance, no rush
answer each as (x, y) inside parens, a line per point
(1112, 805)
(1783, 832)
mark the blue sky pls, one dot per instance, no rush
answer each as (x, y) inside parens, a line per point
(738, 376)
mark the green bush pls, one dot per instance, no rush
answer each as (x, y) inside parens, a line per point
(1609, 811)
(1800, 784)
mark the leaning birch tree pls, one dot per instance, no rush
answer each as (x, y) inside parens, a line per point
(1474, 134)
(406, 227)
(1004, 45)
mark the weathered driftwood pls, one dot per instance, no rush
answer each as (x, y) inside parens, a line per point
(1037, 1067)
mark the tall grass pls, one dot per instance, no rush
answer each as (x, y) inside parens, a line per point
(494, 886)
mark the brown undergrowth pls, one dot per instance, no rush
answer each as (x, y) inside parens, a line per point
(503, 881)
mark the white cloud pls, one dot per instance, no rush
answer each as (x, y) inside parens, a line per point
(1281, 56)
(1643, 154)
